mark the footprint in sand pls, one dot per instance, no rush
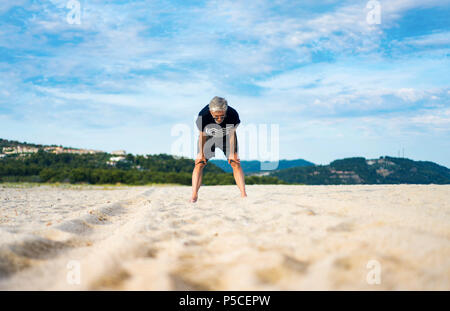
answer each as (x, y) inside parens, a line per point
(181, 283)
(342, 227)
(76, 226)
(11, 263)
(274, 274)
(38, 248)
(295, 264)
(112, 280)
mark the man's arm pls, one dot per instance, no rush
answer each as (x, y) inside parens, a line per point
(232, 134)
(201, 145)
(201, 142)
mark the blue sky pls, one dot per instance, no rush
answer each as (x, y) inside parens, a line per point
(123, 78)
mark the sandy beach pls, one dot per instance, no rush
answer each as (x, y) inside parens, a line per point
(278, 238)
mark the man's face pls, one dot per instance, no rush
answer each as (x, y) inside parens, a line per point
(218, 116)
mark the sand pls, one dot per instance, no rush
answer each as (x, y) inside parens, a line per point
(369, 237)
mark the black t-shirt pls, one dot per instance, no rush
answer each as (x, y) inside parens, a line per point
(205, 122)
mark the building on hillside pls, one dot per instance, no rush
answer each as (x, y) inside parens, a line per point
(59, 150)
(113, 160)
(91, 151)
(56, 150)
(119, 152)
(9, 150)
(19, 150)
(25, 149)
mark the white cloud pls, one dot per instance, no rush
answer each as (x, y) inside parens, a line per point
(439, 119)
(409, 94)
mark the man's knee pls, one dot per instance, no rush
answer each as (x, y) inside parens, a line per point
(235, 165)
(200, 164)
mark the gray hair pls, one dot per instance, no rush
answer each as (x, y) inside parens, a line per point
(218, 104)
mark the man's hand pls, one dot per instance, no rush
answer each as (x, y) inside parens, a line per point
(233, 158)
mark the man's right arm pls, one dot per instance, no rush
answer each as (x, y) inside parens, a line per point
(201, 142)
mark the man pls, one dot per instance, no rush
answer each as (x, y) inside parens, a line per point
(217, 123)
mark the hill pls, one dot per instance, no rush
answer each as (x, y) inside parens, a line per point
(385, 170)
(40, 163)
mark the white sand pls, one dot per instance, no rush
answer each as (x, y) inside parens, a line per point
(279, 238)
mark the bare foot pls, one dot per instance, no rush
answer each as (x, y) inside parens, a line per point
(193, 199)
(244, 195)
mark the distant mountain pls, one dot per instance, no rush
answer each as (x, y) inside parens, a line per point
(385, 170)
(253, 167)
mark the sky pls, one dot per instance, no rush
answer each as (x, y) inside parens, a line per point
(336, 78)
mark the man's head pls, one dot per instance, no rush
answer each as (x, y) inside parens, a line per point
(218, 108)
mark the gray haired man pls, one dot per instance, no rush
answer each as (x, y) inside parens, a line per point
(217, 123)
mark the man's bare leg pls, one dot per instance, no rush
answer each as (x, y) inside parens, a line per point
(238, 174)
(197, 176)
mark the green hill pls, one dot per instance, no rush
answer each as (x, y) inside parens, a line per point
(32, 164)
(385, 170)
(29, 162)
